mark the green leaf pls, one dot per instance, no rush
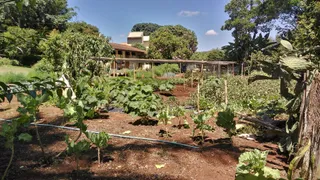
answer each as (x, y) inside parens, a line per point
(25, 137)
(9, 97)
(296, 64)
(286, 44)
(258, 77)
(69, 93)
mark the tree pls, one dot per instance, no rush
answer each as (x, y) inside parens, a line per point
(146, 28)
(139, 46)
(20, 43)
(216, 54)
(43, 15)
(83, 27)
(200, 55)
(171, 42)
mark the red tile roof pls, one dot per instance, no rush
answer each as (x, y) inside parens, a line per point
(123, 47)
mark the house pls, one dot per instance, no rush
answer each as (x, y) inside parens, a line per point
(138, 37)
(127, 51)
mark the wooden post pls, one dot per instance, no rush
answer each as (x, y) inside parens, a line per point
(242, 69)
(214, 69)
(233, 69)
(152, 69)
(198, 98)
(184, 81)
(114, 68)
(191, 78)
(219, 70)
(226, 91)
(201, 67)
(134, 71)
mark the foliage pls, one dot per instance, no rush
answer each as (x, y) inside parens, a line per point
(172, 42)
(135, 97)
(179, 112)
(252, 165)
(13, 77)
(43, 15)
(288, 68)
(139, 46)
(167, 86)
(200, 55)
(165, 68)
(83, 27)
(100, 140)
(214, 54)
(200, 120)
(164, 116)
(20, 43)
(6, 62)
(225, 119)
(77, 148)
(70, 53)
(146, 28)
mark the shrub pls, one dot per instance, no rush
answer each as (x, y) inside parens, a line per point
(20, 43)
(6, 62)
(165, 68)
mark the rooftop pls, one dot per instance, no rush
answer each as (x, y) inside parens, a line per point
(123, 47)
(135, 34)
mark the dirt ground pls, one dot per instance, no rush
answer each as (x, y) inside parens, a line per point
(130, 158)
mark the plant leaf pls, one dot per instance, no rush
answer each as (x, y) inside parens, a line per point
(286, 44)
(25, 137)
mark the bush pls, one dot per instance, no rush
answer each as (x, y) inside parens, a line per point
(165, 68)
(8, 62)
(20, 43)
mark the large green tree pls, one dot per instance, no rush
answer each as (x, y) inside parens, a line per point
(40, 15)
(172, 42)
(83, 27)
(146, 28)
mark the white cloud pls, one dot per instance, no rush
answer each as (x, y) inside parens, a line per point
(211, 33)
(188, 13)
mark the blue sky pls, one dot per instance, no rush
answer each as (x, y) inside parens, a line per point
(115, 18)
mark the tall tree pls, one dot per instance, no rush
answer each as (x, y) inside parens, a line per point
(146, 28)
(172, 42)
(42, 15)
(83, 27)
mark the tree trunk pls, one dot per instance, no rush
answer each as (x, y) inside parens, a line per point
(309, 131)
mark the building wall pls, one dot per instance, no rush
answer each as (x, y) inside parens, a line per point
(146, 44)
(134, 40)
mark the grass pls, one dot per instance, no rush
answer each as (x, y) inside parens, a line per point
(9, 74)
(15, 70)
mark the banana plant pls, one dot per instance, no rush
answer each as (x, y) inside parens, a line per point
(100, 140)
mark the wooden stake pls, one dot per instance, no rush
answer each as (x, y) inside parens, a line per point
(184, 81)
(226, 91)
(134, 72)
(114, 68)
(152, 69)
(192, 78)
(198, 98)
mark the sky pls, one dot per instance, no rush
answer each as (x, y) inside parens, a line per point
(115, 18)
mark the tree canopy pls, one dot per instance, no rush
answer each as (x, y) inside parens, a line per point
(147, 28)
(214, 54)
(41, 15)
(83, 27)
(172, 42)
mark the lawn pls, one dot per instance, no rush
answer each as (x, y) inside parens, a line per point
(15, 69)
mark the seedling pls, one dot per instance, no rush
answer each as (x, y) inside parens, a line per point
(100, 140)
(179, 112)
(165, 117)
(77, 148)
(200, 120)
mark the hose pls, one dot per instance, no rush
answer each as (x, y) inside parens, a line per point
(113, 135)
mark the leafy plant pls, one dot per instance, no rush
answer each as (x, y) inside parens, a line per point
(100, 140)
(200, 120)
(225, 119)
(167, 86)
(77, 148)
(9, 133)
(179, 112)
(252, 165)
(164, 116)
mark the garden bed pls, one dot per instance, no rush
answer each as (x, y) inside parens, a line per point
(127, 158)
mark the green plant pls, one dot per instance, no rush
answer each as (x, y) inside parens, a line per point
(77, 148)
(164, 116)
(165, 68)
(100, 140)
(11, 77)
(6, 62)
(8, 131)
(252, 165)
(167, 86)
(200, 120)
(225, 119)
(179, 112)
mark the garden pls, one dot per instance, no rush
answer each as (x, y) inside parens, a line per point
(64, 116)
